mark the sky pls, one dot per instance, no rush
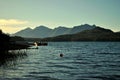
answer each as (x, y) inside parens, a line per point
(19, 14)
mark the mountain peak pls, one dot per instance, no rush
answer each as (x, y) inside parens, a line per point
(80, 28)
(61, 27)
(41, 26)
(85, 25)
(28, 28)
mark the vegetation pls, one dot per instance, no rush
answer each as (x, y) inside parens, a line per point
(17, 42)
(16, 38)
(7, 58)
(5, 46)
(4, 41)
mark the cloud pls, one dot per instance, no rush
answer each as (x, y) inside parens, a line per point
(12, 22)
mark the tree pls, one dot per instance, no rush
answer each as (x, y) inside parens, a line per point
(4, 41)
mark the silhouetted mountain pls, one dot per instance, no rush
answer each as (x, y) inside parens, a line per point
(24, 33)
(80, 28)
(42, 31)
(59, 31)
(96, 34)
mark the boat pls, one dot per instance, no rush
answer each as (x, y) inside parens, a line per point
(40, 43)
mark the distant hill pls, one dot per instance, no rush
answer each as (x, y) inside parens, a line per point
(43, 31)
(40, 32)
(59, 31)
(95, 34)
(24, 33)
(81, 28)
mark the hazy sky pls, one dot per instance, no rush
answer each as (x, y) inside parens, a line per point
(19, 14)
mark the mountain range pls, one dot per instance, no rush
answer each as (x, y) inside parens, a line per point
(44, 32)
(95, 34)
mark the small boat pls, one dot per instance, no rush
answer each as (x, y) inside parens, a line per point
(41, 43)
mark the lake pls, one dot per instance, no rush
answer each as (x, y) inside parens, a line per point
(80, 61)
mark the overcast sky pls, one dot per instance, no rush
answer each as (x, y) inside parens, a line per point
(19, 14)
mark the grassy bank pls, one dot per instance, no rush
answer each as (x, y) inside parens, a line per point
(11, 55)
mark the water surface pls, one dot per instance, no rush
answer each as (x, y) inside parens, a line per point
(81, 61)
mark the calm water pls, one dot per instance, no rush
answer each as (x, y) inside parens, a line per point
(81, 61)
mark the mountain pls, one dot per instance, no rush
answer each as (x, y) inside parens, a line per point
(80, 28)
(23, 33)
(40, 32)
(43, 31)
(96, 34)
(59, 31)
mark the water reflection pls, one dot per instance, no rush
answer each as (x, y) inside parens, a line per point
(10, 57)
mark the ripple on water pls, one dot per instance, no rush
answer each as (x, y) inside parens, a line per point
(81, 61)
(47, 72)
(35, 77)
(63, 66)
